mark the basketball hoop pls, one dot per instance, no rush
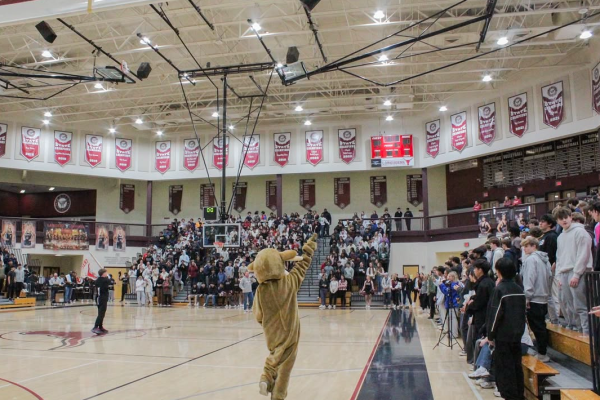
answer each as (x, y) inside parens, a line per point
(219, 246)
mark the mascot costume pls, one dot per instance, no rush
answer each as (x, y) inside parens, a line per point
(276, 309)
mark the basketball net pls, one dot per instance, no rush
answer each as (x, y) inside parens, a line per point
(219, 246)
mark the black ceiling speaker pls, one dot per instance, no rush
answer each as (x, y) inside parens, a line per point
(310, 4)
(292, 55)
(46, 31)
(144, 70)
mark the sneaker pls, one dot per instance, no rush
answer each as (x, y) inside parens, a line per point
(543, 357)
(497, 394)
(334, 306)
(321, 307)
(263, 388)
(478, 381)
(462, 354)
(97, 331)
(481, 372)
(104, 330)
(488, 385)
(329, 307)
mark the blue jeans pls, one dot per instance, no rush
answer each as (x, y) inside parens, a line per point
(387, 298)
(214, 299)
(323, 295)
(406, 295)
(485, 357)
(248, 300)
(68, 292)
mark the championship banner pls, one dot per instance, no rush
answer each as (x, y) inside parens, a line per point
(66, 236)
(207, 195)
(9, 232)
(3, 130)
(127, 198)
(239, 196)
(378, 190)
(251, 150)
(123, 151)
(314, 147)
(62, 147)
(162, 156)
(308, 194)
(414, 189)
(271, 195)
(191, 153)
(595, 90)
(347, 144)
(553, 104)
(93, 150)
(341, 192)
(518, 114)
(30, 142)
(119, 238)
(89, 267)
(218, 153)
(102, 232)
(28, 234)
(487, 123)
(432, 132)
(282, 144)
(458, 131)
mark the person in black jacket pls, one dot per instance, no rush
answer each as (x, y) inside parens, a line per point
(549, 245)
(477, 305)
(505, 327)
(408, 215)
(102, 284)
(397, 219)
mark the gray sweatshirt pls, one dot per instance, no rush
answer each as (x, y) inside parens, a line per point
(574, 251)
(246, 285)
(537, 276)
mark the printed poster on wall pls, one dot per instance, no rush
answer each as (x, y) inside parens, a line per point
(308, 194)
(458, 131)
(271, 195)
(218, 153)
(175, 196)
(123, 151)
(3, 130)
(518, 114)
(239, 196)
(251, 150)
(102, 235)
(127, 198)
(62, 147)
(66, 236)
(93, 150)
(347, 144)
(191, 153)
(28, 236)
(314, 147)
(341, 192)
(378, 190)
(282, 143)
(119, 238)
(207, 195)
(30, 142)
(162, 156)
(9, 232)
(595, 89)
(487, 123)
(432, 130)
(553, 104)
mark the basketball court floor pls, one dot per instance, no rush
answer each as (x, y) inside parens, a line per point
(182, 353)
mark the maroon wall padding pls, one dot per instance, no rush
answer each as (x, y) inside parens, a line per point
(9, 204)
(41, 205)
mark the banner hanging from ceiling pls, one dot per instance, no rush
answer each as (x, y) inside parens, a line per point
(30, 142)
(62, 147)
(553, 104)
(458, 131)
(127, 198)
(487, 123)
(102, 235)
(518, 115)
(162, 156)
(314, 147)
(3, 130)
(9, 232)
(347, 144)
(595, 88)
(341, 192)
(191, 153)
(432, 132)
(239, 196)
(251, 150)
(28, 235)
(218, 149)
(119, 238)
(282, 144)
(123, 151)
(93, 150)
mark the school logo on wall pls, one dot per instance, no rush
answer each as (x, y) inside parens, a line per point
(62, 203)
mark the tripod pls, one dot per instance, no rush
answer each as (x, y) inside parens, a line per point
(448, 333)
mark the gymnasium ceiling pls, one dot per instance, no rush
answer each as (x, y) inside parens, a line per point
(344, 26)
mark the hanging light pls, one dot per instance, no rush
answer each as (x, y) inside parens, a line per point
(443, 108)
(215, 114)
(383, 58)
(502, 41)
(112, 130)
(487, 78)
(47, 54)
(387, 103)
(45, 122)
(139, 121)
(279, 65)
(389, 118)
(298, 108)
(307, 123)
(159, 133)
(47, 114)
(98, 86)
(585, 34)
(145, 40)
(51, 189)
(256, 26)
(379, 14)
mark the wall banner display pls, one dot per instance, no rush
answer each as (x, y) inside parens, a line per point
(119, 238)
(207, 195)
(28, 236)
(347, 144)
(123, 151)
(458, 131)
(414, 189)
(595, 89)
(282, 143)
(481, 215)
(162, 156)
(487, 123)
(93, 150)
(314, 147)
(9, 232)
(102, 235)
(239, 196)
(518, 114)
(341, 192)
(308, 194)
(191, 153)
(218, 161)
(378, 190)
(432, 131)
(127, 198)
(175, 196)
(553, 104)
(251, 150)
(521, 213)
(3, 130)
(66, 236)
(272, 195)
(30, 142)
(63, 143)
(502, 212)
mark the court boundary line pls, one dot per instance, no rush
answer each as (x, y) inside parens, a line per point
(37, 396)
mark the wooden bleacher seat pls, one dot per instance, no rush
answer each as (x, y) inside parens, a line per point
(573, 344)
(578, 394)
(536, 372)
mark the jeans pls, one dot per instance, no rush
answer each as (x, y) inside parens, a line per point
(573, 302)
(53, 292)
(68, 293)
(323, 295)
(484, 359)
(387, 298)
(509, 372)
(248, 300)
(214, 300)
(406, 295)
(536, 317)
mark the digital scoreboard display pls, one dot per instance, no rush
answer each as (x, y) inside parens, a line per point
(392, 151)
(211, 214)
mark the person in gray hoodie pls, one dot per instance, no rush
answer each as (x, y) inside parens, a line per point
(537, 278)
(573, 259)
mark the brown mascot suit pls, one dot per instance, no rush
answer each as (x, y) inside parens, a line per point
(276, 309)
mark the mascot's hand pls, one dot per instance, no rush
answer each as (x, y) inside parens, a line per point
(310, 246)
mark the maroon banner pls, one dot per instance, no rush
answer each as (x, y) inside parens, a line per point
(414, 189)
(518, 114)
(191, 153)
(218, 153)
(282, 144)
(553, 104)
(123, 151)
(595, 88)
(341, 192)
(62, 147)
(378, 190)
(314, 147)
(432, 132)
(487, 123)
(3, 130)
(207, 195)
(347, 144)
(308, 195)
(127, 198)
(458, 131)
(251, 150)
(162, 156)
(239, 196)
(93, 150)
(272, 195)
(175, 196)
(30, 142)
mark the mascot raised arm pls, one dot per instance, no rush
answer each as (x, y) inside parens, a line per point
(276, 309)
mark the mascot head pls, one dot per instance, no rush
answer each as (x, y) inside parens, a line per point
(269, 264)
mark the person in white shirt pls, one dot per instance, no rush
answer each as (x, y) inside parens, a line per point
(140, 285)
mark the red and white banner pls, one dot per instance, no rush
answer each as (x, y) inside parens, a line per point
(3, 130)
(191, 153)
(30, 142)
(487, 123)
(458, 131)
(93, 150)
(63, 142)
(123, 152)
(314, 147)
(518, 114)
(251, 150)
(162, 156)
(282, 143)
(596, 88)
(432, 132)
(218, 149)
(553, 104)
(347, 144)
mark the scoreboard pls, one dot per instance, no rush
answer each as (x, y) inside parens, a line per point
(392, 151)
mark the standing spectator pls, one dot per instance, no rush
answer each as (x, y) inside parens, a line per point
(139, 291)
(431, 291)
(549, 245)
(386, 289)
(193, 273)
(246, 286)
(398, 219)
(167, 292)
(333, 288)
(148, 291)
(19, 280)
(111, 288)
(408, 215)
(342, 289)
(11, 284)
(327, 216)
(507, 201)
(124, 285)
(367, 291)
(476, 206)
(595, 213)
(477, 306)
(56, 283)
(497, 252)
(516, 201)
(323, 289)
(395, 289)
(349, 275)
(407, 288)
(212, 293)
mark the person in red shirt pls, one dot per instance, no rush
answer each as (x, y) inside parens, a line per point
(516, 201)
(477, 206)
(507, 202)
(193, 273)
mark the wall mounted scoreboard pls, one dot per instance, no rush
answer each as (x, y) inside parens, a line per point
(392, 151)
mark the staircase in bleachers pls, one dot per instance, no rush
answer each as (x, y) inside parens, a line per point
(309, 290)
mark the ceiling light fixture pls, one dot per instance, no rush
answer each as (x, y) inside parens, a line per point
(98, 86)
(46, 122)
(139, 121)
(487, 78)
(231, 127)
(307, 123)
(443, 108)
(298, 108)
(383, 58)
(585, 34)
(22, 191)
(215, 114)
(387, 103)
(47, 54)
(51, 189)
(112, 130)
(47, 114)
(379, 14)
(279, 65)
(159, 133)
(256, 26)
(502, 41)
(389, 118)
(145, 40)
